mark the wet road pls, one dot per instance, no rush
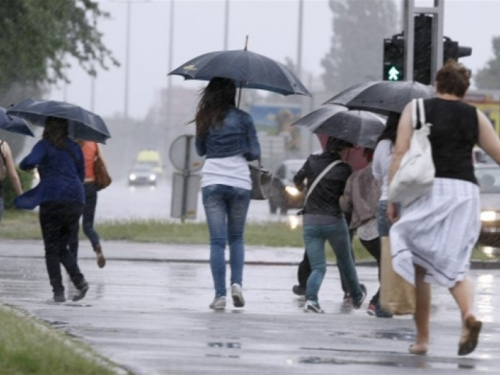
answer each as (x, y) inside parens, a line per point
(120, 201)
(148, 312)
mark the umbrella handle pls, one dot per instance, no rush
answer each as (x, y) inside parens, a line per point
(246, 43)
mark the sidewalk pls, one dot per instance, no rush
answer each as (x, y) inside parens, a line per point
(147, 311)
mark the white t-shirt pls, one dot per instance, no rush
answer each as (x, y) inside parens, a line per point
(231, 171)
(380, 166)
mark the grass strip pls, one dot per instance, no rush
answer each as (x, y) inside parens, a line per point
(28, 346)
(17, 224)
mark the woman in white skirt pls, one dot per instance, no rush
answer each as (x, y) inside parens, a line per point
(432, 238)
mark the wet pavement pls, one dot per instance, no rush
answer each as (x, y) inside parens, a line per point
(147, 311)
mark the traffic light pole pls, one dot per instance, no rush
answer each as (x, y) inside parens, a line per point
(410, 10)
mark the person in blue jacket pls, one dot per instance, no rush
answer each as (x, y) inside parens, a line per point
(61, 197)
(227, 137)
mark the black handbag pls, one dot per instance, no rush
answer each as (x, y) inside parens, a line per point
(261, 182)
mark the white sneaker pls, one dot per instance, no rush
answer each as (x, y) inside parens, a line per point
(237, 295)
(218, 303)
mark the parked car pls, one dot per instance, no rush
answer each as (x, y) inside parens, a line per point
(142, 174)
(284, 193)
(488, 177)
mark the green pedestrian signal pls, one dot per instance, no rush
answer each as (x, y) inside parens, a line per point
(394, 74)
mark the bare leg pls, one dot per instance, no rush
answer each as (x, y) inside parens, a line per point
(463, 294)
(422, 312)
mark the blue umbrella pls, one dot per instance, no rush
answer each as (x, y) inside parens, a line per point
(247, 69)
(14, 124)
(83, 124)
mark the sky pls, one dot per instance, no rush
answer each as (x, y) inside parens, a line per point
(199, 27)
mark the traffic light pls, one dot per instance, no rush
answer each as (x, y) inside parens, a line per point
(394, 58)
(394, 52)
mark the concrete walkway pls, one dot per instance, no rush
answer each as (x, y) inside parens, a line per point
(147, 311)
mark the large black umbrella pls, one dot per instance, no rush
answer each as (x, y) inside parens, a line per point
(14, 124)
(360, 128)
(83, 124)
(381, 96)
(247, 69)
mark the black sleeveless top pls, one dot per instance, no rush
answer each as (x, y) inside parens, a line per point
(454, 132)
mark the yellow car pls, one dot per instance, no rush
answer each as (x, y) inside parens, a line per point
(152, 158)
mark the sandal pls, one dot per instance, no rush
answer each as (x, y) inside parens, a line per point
(471, 337)
(418, 349)
(101, 261)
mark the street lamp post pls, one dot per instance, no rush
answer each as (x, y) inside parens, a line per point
(170, 63)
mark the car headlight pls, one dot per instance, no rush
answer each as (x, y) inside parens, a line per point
(291, 190)
(132, 177)
(152, 177)
(489, 216)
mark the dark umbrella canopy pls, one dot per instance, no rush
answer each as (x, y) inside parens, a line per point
(360, 128)
(83, 124)
(247, 69)
(381, 96)
(14, 124)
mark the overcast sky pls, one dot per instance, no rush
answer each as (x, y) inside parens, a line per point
(272, 26)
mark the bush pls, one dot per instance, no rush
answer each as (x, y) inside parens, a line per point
(8, 190)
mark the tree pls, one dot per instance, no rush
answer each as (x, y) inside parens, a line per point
(36, 37)
(356, 52)
(489, 76)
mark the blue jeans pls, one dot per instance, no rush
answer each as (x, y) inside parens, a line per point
(383, 223)
(226, 209)
(338, 237)
(87, 219)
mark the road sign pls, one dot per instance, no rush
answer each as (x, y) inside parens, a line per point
(183, 154)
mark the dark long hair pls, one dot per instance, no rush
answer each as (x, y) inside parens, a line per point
(56, 131)
(215, 101)
(391, 128)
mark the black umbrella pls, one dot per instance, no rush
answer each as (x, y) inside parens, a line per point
(381, 96)
(360, 128)
(14, 124)
(247, 69)
(83, 124)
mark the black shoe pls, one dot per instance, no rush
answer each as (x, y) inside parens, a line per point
(357, 304)
(299, 290)
(82, 290)
(59, 297)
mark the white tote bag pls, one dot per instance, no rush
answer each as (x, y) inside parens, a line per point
(415, 174)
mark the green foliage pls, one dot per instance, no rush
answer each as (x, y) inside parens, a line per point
(356, 52)
(36, 36)
(8, 190)
(489, 77)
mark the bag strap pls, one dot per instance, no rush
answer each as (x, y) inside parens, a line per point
(320, 176)
(416, 118)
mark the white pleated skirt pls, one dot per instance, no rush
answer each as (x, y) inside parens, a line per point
(438, 232)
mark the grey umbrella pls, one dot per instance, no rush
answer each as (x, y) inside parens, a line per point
(360, 128)
(83, 124)
(381, 96)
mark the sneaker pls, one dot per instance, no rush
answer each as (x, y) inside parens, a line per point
(219, 303)
(347, 297)
(357, 304)
(59, 297)
(237, 295)
(101, 261)
(372, 308)
(82, 291)
(299, 290)
(381, 313)
(313, 306)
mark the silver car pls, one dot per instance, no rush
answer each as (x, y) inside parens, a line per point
(488, 177)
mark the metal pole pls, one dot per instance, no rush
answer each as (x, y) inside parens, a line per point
(170, 63)
(127, 62)
(409, 32)
(185, 178)
(226, 26)
(437, 39)
(299, 42)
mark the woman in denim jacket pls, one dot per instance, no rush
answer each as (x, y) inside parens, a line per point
(226, 136)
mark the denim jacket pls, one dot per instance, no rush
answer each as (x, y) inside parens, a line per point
(237, 135)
